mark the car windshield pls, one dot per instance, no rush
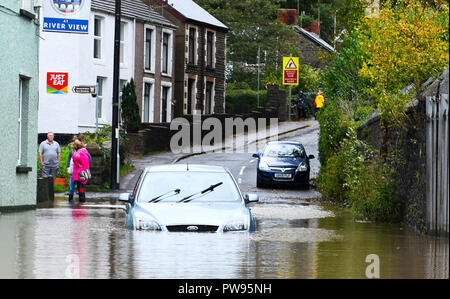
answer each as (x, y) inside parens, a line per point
(284, 150)
(186, 184)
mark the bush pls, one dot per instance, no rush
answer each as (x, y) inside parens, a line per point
(130, 109)
(373, 195)
(354, 175)
(245, 101)
(333, 128)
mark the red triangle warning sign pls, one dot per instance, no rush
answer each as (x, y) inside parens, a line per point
(291, 65)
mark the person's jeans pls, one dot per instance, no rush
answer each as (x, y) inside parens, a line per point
(71, 187)
(50, 171)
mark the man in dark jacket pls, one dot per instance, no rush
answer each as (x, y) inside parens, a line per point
(300, 105)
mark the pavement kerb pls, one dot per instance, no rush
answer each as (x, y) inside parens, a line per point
(225, 148)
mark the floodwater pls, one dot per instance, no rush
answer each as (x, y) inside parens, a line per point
(291, 241)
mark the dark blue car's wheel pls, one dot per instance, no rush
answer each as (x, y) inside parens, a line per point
(260, 184)
(305, 183)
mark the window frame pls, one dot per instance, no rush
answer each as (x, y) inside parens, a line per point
(169, 57)
(166, 86)
(151, 99)
(152, 58)
(192, 45)
(210, 49)
(99, 99)
(98, 38)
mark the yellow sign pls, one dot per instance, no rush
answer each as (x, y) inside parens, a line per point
(290, 70)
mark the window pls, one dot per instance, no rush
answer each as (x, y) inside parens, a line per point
(97, 38)
(146, 103)
(190, 96)
(164, 101)
(192, 33)
(148, 49)
(100, 82)
(165, 53)
(23, 120)
(208, 99)
(123, 27)
(209, 49)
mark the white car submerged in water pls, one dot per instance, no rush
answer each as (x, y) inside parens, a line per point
(188, 198)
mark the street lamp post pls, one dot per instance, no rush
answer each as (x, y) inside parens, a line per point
(115, 106)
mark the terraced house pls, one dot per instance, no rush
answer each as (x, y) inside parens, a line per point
(200, 54)
(19, 29)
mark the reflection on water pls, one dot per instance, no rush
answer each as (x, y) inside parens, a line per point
(291, 241)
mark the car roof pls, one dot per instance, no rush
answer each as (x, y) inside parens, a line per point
(284, 142)
(185, 167)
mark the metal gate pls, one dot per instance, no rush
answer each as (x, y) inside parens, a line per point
(437, 196)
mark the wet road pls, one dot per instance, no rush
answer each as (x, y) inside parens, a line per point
(294, 238)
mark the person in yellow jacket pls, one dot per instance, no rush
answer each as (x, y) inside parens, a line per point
(319, 102)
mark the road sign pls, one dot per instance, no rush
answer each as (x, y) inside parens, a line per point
(83, 89)
(290, 70)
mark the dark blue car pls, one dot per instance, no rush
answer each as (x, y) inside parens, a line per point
(284, 163)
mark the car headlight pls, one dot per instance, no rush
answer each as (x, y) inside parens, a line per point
(263, 165)
(302, 167)
(235, 225)
(147, 224)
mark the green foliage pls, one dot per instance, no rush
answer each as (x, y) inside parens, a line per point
(373, 194)
(253, 23)
(130, 109)
(244, 101)
(333, 128)
(309, 78)
(355, 175)
(342, 79)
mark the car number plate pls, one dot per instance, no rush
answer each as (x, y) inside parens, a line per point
(283, 175)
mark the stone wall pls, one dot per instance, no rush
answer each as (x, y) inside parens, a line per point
(409, 148)
(156, 137)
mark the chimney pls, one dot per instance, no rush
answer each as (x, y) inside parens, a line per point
(314, 27)
(287, 16)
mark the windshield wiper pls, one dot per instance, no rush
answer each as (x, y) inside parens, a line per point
(159, 198)
(209, 189)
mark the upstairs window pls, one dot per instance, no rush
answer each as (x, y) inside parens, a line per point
(97, 38)
(165, 53)
(123, 27)
(210, 49)
(192, 42)
(148, 49)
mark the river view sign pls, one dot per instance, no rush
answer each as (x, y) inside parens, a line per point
(290, 70)
(66, 15)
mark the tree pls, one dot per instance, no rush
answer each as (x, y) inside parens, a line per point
(130, 109)
(407, 44)
(253, 23)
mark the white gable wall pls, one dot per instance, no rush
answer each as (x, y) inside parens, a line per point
(73, 53)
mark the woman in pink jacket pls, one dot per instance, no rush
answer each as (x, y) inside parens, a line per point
(80, 163)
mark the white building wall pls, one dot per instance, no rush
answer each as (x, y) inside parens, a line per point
(73, 53)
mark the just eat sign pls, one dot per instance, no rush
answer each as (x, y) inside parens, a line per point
(57, 83)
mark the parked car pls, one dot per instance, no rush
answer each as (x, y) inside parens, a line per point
(188, 198)
(283, 162)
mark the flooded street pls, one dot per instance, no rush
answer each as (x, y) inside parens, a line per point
(290, 241)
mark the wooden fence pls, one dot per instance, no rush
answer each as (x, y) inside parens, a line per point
(437, 196)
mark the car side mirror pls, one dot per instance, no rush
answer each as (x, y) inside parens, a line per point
(256, 155)
(125, 197)
(311, 157)
(251, 198)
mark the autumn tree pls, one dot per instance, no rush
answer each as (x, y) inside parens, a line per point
(407, 44)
